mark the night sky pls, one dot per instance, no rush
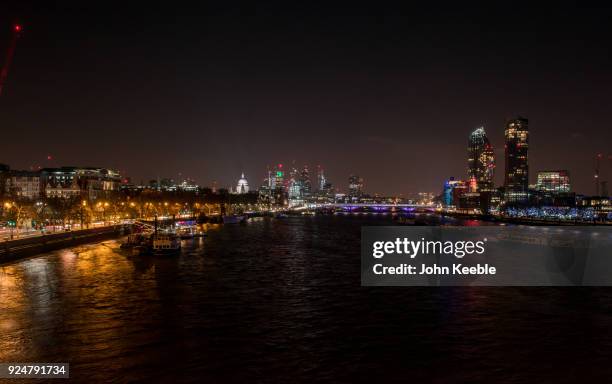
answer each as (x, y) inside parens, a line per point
(388, 93)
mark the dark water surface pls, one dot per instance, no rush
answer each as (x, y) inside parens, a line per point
(281, 301)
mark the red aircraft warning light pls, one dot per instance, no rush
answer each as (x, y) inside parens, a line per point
(9, 56)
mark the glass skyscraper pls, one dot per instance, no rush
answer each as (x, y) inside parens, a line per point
(355, 186)
(516, 180)
(481, 160)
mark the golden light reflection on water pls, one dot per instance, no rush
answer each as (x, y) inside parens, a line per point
(82, 289)
(12, 301)
(11, 297)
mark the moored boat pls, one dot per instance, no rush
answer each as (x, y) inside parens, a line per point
(133, 240)
(165, 244)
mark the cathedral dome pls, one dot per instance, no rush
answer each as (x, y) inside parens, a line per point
(243, 185)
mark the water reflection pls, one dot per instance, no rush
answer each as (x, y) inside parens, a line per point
(281, 299)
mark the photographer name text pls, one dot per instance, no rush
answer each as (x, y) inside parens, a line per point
(425, 269)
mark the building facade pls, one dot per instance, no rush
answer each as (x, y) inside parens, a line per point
(4, 170)
(320, 178)
(355, 187)
(481, 160)
(453, 190)
(88, 183)
(516, 177)
(22, 185)
(553, 181)
(60, 182)
(305, 182)
(273, 191)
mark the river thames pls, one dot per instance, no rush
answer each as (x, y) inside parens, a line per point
(280, 300)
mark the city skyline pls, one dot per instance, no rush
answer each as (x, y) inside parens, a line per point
(352, 90)
(478, 146)
(219, 191)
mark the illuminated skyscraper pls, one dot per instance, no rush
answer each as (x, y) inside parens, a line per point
(355, 186)
(279, 178)
(324, 189)
(295, 188)
(320, 178)
(481, 160)
(280, 187)
(305, 181)
(274, 188)
(516, 179)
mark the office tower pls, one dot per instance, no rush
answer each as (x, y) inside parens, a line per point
(355, 186)
(305, 181)
(516, 178)
(320, 178)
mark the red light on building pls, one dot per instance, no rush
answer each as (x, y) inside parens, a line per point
(17, 28)
(473, 185)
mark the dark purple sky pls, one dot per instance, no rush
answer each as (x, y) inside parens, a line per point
(387, 93)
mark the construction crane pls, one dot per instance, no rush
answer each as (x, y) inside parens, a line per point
(598, 158)
(17, 28)
(604, 183)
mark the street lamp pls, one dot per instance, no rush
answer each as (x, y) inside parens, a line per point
(7, 206)
(104, 206)
(83, 205)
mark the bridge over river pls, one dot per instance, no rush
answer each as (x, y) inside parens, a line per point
(377, 207)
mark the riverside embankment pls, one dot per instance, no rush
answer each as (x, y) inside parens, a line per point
(19, 248)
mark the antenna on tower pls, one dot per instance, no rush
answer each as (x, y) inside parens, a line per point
(17, 28)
